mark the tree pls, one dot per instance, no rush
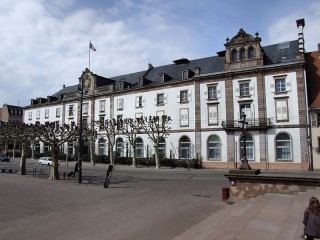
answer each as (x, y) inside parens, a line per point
(130, 129)
(112, 128)
(90, 134)
(157, 129)
(55, 135)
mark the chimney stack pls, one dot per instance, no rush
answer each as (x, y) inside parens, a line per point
(300, 25)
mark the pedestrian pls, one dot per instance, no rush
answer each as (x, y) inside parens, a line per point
(75, 169)
(311, 220)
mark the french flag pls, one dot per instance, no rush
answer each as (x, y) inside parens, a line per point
(92, 47)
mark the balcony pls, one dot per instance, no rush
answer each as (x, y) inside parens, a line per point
(253, 124)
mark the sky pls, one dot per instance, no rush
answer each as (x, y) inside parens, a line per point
(45, 43)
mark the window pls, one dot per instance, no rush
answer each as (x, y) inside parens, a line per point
(121, 85)
(162, 148)
(184, 96)
(30, 116)
(161, 78)
(234, 55)
(120, 104)
(244, 89)
(283, 143)
(46, 113)
(140, 82)
(139, 102)
(101, 123)
(58, 112)
(242, 54)
(318, 119)
(212, 92)
(184, 117)
(251, 53)
(102, 106)
(245, 108)
(139, 148)
(185, 74)
(85, 108)
(280, 85)
(120, 147)
(38, 114)
(249, 146)
(282, 110)
(213, 114)
(160, 99)
(139, 115)
(214, 148)
(71, 110)
(85, 122)
(184, 146)
(101, 147)
(119, 121)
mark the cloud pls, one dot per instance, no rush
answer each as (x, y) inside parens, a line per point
(285, 28)
(46, 45)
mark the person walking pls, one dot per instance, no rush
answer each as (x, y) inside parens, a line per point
(311, 220)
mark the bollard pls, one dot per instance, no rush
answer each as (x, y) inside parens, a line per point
(64, 175)
(225, 194)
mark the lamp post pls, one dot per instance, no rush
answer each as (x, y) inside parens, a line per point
(243, 126)
(80, 136)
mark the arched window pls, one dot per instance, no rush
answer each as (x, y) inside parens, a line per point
(162, 148)
(234, 55)
(242, 54)
(184, 146)
(283, 144)
(120, 147)
(37, 147)
(102, 147)
(214, 147)
(139, 148)
(251, 53)
(249, 147)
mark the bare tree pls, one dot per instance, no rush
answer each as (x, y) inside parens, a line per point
(157, 129)
(90, 134)
(55, 135)
(130, 129)
(112, 128)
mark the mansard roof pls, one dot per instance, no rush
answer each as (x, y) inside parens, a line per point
(274, 54)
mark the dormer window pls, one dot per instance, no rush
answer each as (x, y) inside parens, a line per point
(140, 82)
(185, 74)
(121, 85)
(251, 53)
(161, 78)
(234, 55)
(242, 54)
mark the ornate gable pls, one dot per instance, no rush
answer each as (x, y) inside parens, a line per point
(243, 51)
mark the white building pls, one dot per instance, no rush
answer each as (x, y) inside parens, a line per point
(205, 99)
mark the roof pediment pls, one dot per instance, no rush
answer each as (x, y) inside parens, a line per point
(242, 37)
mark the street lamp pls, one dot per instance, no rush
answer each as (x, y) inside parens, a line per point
(80, 135)
(243, 124)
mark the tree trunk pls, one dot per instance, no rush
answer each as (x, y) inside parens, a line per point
(134, 160)
(22, 170)
(14, 149)
(156, 154)
(32, 151)
(54, 173)
(91, 154)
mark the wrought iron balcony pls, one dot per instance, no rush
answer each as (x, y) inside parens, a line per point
(253, 124)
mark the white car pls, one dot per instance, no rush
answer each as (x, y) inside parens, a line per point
(45, 161)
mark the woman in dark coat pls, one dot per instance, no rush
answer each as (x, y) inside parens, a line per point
(311, 220)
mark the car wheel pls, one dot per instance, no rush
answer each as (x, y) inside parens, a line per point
(40, 163)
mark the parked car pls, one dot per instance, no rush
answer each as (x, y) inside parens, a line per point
(4, 158)
(45, 161)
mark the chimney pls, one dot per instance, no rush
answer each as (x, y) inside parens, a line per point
(300, 25)
(64, 86)
(150, 66)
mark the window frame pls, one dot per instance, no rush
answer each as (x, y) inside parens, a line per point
(120, 104)
(217, 148)
(282, 88)
(184, 121)
(212, 95)
(102, 106)
(37, 114)
(213, 120)
(282, 116)
(187, 147)
(139, 147)
(160, 101)
(249, 148)
(185, 74)
(244, 89)
(277, 147)
(46, 113)
(184, 98)
(71, 110)
(58, 112)
(85, 108)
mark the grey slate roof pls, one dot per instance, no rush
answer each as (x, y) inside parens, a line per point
(274, 54)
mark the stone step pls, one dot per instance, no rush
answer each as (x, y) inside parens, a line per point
(271, 216)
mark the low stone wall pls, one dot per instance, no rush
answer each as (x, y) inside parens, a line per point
(245, 186)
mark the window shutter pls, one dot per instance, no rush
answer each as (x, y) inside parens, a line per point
(288, 85)
(219, 90)
(313, 119)
(272, 87)
(205, 95)
(189, 95)
(165, 98)
(178, 98)
(137, 102)
(251, 88)
(213, 115)
(237, 92)
(143, 101)
(155, 101)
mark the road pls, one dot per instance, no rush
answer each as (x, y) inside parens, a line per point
(139, 203)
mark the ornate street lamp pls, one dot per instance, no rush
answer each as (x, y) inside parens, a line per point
(243, 124)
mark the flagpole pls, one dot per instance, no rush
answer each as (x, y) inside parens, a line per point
(89, 53)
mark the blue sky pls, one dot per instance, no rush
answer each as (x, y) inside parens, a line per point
(45, 43)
